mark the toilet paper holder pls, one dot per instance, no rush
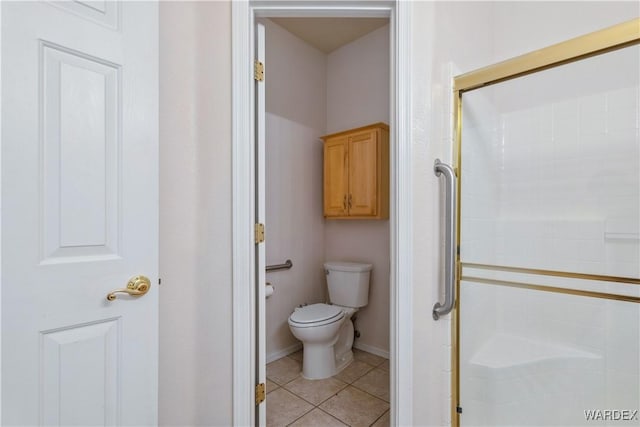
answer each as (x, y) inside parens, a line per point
(269, 290)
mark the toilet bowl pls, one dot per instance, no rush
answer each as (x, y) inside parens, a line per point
(326, 330)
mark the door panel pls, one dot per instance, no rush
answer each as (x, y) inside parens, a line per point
(261, 344)
(80, 212)
(81, 111)
(335, 176)
(363, 173)
(75, 399)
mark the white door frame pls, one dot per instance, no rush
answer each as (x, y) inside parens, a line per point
(244, 13)
(0, 214)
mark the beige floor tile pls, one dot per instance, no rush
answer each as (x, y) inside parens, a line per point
(318, 418)
(368, 358)
(383, 421)
(354, 371)
(385, 365)
(283, 408)
(271, 386)
(296, 356)
(355, 407)
(283, 370)
(375, 382)
(315, 391)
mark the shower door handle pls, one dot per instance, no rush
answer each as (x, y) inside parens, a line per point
(450, 239)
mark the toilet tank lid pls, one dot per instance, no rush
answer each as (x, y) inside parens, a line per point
(348, 266)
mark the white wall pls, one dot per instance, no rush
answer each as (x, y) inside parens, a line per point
(296, 87)
(195, 214)
(296, 107)
(310, 94)
(195, 336)
(294, 227)
(358, 82)
(465, 36)
(358, 95)
(447, 38)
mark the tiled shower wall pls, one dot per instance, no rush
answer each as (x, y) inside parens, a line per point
(559, 170)
(551, 180)
(573, 167)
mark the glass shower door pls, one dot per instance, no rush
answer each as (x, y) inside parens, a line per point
(549, 289)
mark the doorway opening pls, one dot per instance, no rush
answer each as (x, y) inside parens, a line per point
(249, 260)
(326, 180)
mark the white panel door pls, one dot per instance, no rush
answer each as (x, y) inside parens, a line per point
(79, 212)
(261, 345)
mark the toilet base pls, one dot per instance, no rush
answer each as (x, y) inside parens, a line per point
(315, 366)
(344, 361)
(318, 361)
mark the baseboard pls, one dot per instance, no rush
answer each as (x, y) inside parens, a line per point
(298, 346)
(371, 349)
(284, 352)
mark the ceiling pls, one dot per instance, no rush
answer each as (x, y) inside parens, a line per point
(328, 34)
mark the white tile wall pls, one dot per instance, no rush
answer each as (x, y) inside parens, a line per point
(551, 180)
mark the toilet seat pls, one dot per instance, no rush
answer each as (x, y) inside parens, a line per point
(315, 315)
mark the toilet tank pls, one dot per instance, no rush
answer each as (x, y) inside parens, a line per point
(348, 283)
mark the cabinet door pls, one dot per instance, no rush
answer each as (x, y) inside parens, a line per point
(335, 176)
(363, 173)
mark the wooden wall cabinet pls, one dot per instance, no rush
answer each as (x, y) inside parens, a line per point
(356, 173)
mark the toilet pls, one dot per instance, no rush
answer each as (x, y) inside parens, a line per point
(326, 330)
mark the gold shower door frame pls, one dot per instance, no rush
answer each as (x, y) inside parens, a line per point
(609, 39)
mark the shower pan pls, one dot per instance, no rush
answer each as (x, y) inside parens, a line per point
(546, 320)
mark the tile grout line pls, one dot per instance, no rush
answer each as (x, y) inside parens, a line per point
(325, 412)
(293, 421)
(346, 385)
(318, 405)
(372, 395)
(376, 420)
(333, 416)
(332, 396)
(365, 391)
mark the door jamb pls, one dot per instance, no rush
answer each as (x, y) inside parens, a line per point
(243, 17)
(0, 215)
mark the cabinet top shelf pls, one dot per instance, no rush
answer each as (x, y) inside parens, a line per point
(344, 132)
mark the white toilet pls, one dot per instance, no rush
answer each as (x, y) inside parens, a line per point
(326, 330)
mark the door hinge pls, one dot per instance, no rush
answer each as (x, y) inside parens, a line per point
(459, 409)
(258, 70)
(259, 231)
(260, 393)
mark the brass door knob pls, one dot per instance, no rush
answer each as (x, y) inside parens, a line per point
(137, 286)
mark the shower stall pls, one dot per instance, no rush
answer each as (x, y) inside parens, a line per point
(546, 325)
